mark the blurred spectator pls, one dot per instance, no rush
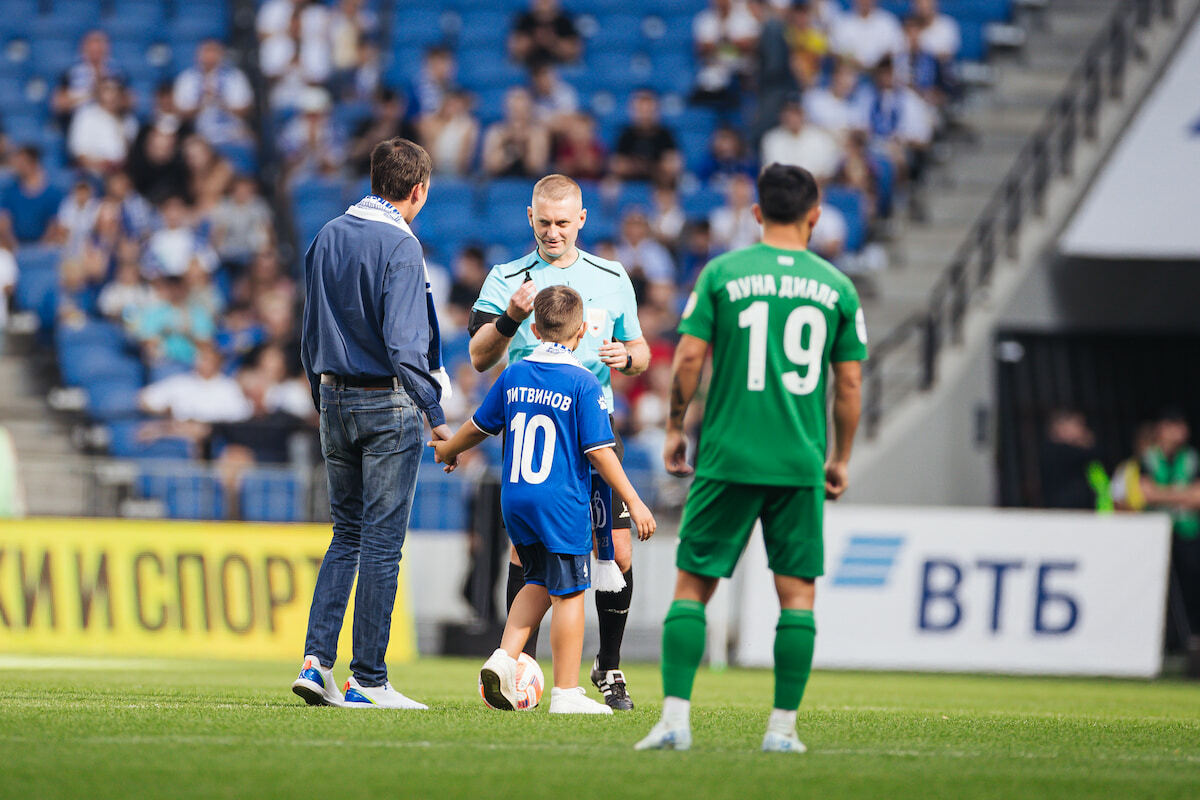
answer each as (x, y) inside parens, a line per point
(772, 70)
(87, 263)
(351, 24)
(807, 40)
(899, 122)
(578, 150)
(939, 33)
(210, 174)
(434, 81)
(169, 328)
(698, 250)
(733, 225)
(76, 217)
(216, 95)
(727, 156)
(828, 238)
(157, 166)
(553, 98)
(834, 108)
(450, 134)
(365, 78)
(921, 70)
(867, 33)
(172, 249)
(309, 144)
(101, 131)
(264, 276)
(860, 170)
(126, 295)
(389, 119)
(544, 33)
(518, 145)
(470, 271)
(1069, 448)
(136, 213)
(204, 394)
(28, 203)
(646, 149)
(725, 36)
(1172, 463)
(77, 87)
(641, 254)
(667, 217)
(797, 142)
(8, 281)
(241, 224)
(295, 43)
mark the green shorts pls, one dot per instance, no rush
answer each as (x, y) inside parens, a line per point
(719, 517)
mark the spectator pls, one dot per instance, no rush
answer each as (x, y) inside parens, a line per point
(126, 295)
(204, 394)
(28, 203)
(169, 328)
(733, 225)
(802, 144)
(295, 42)
(101, 132)
(210, 174)
(828, 238)
(725, 36)
(76, 217)
(667, 218)
(451, 134)
(578, 150)
(920, 70)
(470, 271)
(553, 98)
(389, 119)
(939, 33)
(351, 24)
(157, 166)
(772, 70)
(544, 32)
(834, 108)
(216, 95)
(807, 40)
(241, 224)
(1069, 448)
(77, 87)
(136, 214)
(309, 145)
(641, 253)
(518, 145)
(263, 276)
(698, 250)
(899, 122)
(172, 249)
(646, 149)
(434, 81)
(727, 156)
(867, 34)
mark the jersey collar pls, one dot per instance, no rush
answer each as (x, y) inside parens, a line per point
(375, 208)
(554, 353)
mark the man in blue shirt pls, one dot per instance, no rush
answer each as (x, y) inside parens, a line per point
(556, 419)
(29, 204)
(500, 321)
(369, 345)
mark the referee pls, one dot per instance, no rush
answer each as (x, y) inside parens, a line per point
(370, 347)
(500, 322)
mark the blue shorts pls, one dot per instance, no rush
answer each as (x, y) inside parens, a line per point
(560, 574)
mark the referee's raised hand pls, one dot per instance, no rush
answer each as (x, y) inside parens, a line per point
(520, 305)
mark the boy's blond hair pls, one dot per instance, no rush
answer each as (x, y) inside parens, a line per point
(558, 312)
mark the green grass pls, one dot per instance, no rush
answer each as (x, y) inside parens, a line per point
(188, 729)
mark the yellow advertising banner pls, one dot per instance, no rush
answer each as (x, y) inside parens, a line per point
(156, 588)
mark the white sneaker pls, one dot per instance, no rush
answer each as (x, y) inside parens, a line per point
(499, 681)
(575, 701)
(666, 736)
(358, 696)
(316, 685)
(775, 742)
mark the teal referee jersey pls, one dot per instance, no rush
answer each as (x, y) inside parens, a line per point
(609, 306)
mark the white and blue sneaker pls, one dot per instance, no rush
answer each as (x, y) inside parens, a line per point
(667, 736)
(776, 742)
(357, 696)
(316, 685)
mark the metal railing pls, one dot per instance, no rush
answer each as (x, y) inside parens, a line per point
(907, 359)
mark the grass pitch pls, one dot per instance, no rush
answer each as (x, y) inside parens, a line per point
(95, 729)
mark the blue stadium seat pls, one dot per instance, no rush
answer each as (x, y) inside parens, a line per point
(503, 194)
(243, 157)
(694, 145)
(677, 33)
(853, 205)
(92, 364)
(417, 26)
(17, 14)
(616, 32)
(974, 43)
(90, 333)
(38, 292)
(52, 56)
(441, 502)
(195, 28)
(113, 400)
(188, 491)
(978, 10)
(140, 22)
(672, 71)
(485, 29)
(271, 495)
(482, 68)
(25, 128)
(698, 204)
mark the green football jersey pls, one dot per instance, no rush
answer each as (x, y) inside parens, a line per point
(775, 319)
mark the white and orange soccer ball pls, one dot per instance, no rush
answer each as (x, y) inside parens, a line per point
(530, 684)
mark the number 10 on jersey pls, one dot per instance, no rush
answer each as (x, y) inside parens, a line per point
(756, 317)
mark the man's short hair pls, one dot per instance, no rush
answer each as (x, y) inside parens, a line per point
(558, 311)
(556, 187)
(786, 193)
(397, 165)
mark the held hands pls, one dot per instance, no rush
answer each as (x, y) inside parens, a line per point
(442, 452)
(675, 454)
(520, 305)
(837, 478)
(614, 354)
(643, 520)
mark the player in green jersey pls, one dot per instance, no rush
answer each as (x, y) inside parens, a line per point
(777, 317)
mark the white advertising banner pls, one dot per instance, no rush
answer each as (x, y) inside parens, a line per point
(977, 590)
(1144, 203)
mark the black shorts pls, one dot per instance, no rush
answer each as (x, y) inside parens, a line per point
(560, 574)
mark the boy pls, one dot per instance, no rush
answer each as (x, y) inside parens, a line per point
(554, 411)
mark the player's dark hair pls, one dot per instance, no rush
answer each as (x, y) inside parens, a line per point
(558, 311)
(397, 165)
(786, 193)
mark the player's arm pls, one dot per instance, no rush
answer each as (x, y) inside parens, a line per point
(447, 451)
(605, 461)
(490, 340)
(685, 380)
(847, 405)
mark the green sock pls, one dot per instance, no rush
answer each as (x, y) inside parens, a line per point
(794, 638)
(682, 648)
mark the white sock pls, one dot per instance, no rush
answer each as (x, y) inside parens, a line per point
(676, 711)
(781, 721)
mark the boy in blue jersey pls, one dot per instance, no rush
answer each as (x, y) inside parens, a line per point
(556, 418)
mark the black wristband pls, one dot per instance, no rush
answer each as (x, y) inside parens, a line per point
(628, 363)
(507, 326)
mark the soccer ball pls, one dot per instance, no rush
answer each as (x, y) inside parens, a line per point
(530, 684)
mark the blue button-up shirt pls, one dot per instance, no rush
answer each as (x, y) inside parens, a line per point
(365, 311)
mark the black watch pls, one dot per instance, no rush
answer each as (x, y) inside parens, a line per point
(628, 363)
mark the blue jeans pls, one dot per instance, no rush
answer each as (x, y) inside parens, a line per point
(371, 440)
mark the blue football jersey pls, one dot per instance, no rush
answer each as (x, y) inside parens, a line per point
(553, 412)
